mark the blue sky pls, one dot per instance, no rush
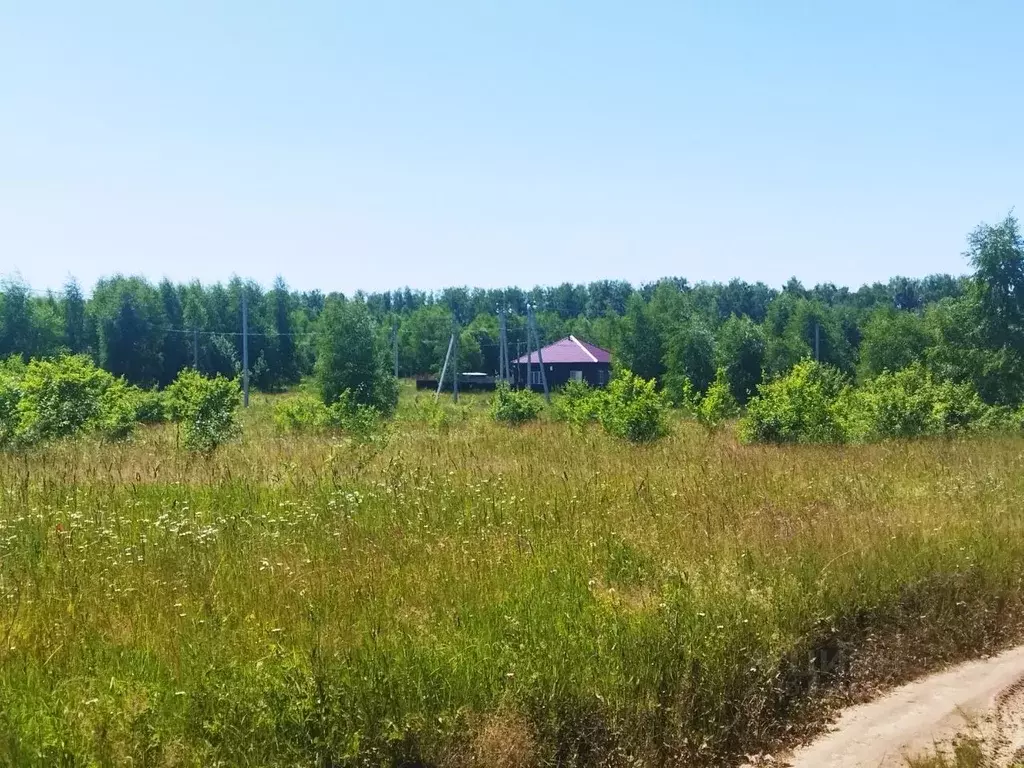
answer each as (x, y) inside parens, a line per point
(375, 145)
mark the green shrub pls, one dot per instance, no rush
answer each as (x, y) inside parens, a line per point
(48, 400)
(301, 413)
(354, 418)
(204, 409)
(515, 406)
(959, 408)
(577, 404)
(633, 409)
(718, 403)
(119, 409)
(10, 395)
(680, 392)
(150, 407)
(912, 403)
(805, 406)
(60, 398)
(308, 414)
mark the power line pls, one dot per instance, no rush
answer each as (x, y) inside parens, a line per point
(234, 333)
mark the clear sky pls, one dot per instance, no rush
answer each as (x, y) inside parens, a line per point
(379, 144)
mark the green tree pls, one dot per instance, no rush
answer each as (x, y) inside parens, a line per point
(351, 357)
(958, 351)
(285, 361)
(740, 351)
(423, 340)
(17, 329)
(176, 351)
(470, 350)
(690, 356)
(640, 346)
(891, 340)
(482, 336)
(76, 334)
(997, 255)
(130, 322)
(798, 325)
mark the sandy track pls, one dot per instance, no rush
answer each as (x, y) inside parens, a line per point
(910, 720)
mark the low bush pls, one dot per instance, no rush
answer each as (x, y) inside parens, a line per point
(150, 406)
(49, 400)
(814, 404)
(301, 413)
(913, 403)
(119, 409)
(804, 406)
(309, 414)
(11, 371)
(718, 403)
(577, 404)
(60, 398)
(205, 409)
(632, 408)
(515, 406)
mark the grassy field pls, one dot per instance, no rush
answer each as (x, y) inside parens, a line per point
(460, 593)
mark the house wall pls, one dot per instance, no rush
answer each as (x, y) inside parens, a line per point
(594, 374)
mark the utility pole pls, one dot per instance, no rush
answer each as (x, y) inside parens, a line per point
(817, 341)
(503, 373)
(455, 363)
(529, 359)
(195, 347)
(505, 356)
(444, 368)
(394, 340)
(245, 350)
(501, 342)
(540, 354)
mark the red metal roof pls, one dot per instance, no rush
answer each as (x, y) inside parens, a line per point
(570, 350)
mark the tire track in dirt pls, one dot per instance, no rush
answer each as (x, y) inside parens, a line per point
(983, 697)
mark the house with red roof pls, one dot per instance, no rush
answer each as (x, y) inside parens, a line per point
(568, 359)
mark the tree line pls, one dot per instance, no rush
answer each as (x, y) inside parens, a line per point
(967, 328)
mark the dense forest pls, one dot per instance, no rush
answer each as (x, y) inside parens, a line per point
(964, 328)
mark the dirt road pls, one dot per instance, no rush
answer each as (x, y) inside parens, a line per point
(911, 719)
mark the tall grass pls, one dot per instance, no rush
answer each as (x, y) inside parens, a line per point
(462, 593)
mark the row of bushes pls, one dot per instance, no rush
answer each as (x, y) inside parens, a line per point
(815, 403)
(48, 400)
(630, 407)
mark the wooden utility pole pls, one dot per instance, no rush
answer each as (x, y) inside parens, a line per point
(455, 363)
(540, 354)
(506, 356)
(245, 350)
(817, 341)
(501, 344)
(195, 347)
(503, 362)
(519, 354)
(444, 368)
(529, 359)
